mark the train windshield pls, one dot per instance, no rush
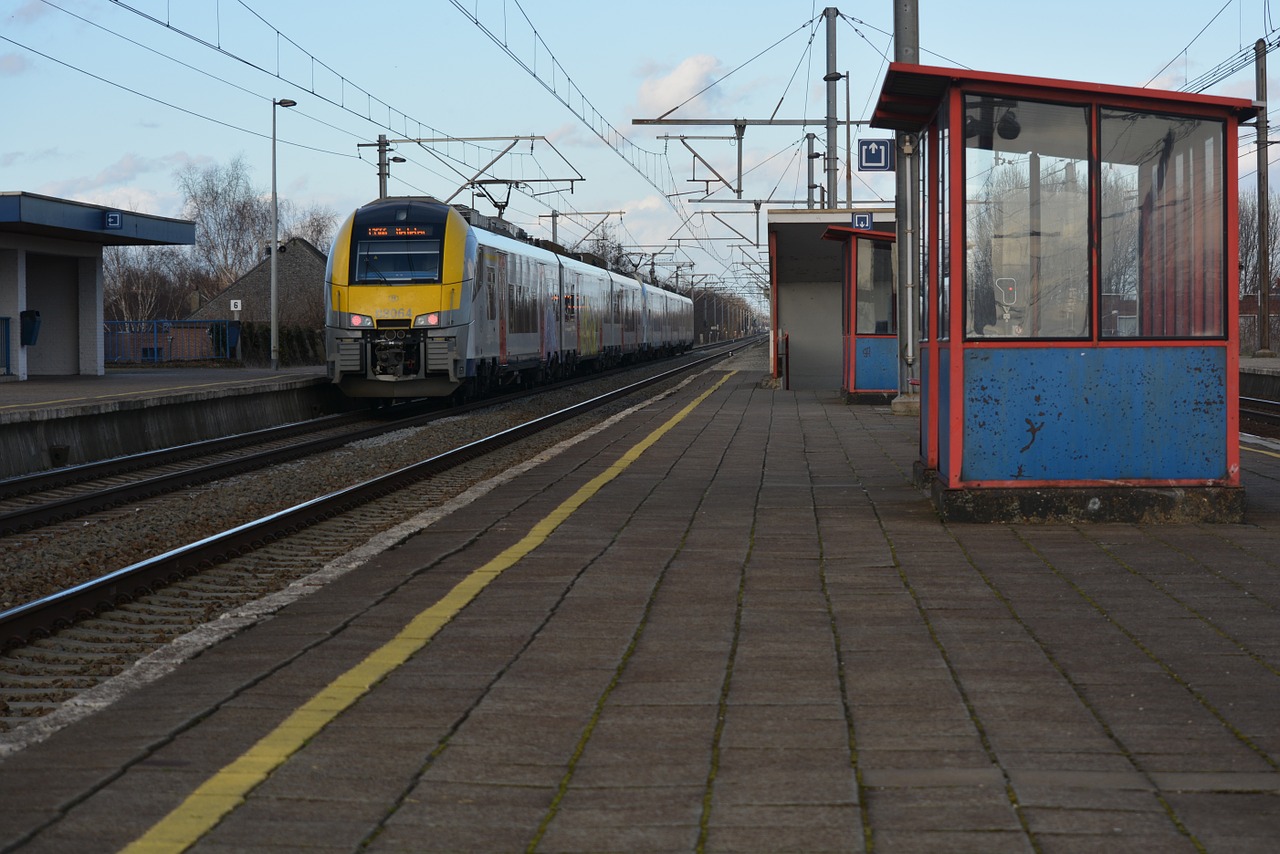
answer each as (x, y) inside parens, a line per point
(380, 262)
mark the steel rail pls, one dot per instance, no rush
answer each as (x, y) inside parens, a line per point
(41, 617)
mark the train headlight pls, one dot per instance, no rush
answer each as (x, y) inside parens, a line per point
(359, 321)
(432, 319)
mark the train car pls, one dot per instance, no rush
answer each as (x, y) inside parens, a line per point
(427, 300)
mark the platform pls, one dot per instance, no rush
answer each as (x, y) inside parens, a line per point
(46, 422)
(723, 622)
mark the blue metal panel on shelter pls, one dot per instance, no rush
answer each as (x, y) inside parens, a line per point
(876, 363)
(942, 390)
(1059, 415)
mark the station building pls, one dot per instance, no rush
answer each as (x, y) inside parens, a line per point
(51, 285)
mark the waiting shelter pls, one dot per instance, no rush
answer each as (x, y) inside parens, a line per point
(806, 292)
(1079, 354)
(51, 311)
(869, 314)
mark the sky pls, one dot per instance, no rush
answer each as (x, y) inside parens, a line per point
(108, 101)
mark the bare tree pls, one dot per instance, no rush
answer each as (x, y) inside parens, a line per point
(233, 228)
(145, 282)
(315, 225)
(1249, 242)
(233, 221)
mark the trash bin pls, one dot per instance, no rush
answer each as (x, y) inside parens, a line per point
(29, 327)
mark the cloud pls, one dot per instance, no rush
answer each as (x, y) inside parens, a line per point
(28, 158)
(570, 134)
(132, 182)
(30, 12)
(12, 65)
(686, 82)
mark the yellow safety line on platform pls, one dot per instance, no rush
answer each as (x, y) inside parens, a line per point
(1244, 447)
(227, 789)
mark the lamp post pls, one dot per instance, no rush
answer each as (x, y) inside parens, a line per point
(275, 235)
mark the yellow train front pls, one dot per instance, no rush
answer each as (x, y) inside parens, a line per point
(399, 284)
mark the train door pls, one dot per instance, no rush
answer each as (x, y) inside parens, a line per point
(550, 295)
(646, 339)
(500, 291)
(571, 334)
(484, 313)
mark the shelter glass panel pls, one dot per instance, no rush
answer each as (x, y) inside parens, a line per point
(942, 244)
(1163, 226)
(875, 292)
(1027, 219)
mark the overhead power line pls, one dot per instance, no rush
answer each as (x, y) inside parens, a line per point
(652, 166)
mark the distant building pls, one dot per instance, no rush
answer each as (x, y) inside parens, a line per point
(299, 290)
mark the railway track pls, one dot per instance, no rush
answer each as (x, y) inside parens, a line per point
(63, 644)
(1261, 417)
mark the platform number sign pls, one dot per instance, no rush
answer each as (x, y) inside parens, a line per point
(236, 305)
(862, 220)
(875, 155)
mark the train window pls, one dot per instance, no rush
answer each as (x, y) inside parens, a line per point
(1163, 226)
(1027, 194)
(397, 261)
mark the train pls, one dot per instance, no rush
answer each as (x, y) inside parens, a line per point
(425, 299)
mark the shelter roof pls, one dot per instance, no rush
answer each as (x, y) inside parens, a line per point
(911, 94)
(45, 216)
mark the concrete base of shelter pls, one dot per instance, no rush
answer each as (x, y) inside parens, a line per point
(1084, 503)
(870, 398)
(906, 404)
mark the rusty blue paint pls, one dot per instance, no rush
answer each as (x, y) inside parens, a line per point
(927, 378)
(1095, 414)
(944, 412)
(875, 364)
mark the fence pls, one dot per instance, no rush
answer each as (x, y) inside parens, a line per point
(169, 340)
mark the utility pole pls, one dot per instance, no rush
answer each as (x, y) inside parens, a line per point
(1264, 204)
(832, 78)
(384, 163)
(906, 48)
(809, 138)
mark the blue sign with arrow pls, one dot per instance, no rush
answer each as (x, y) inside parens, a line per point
(875, 155)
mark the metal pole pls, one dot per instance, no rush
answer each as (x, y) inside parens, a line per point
(275, 236)
(906, 48)
(832, 77)
(810, 138)
(1264, 205)
(383, 169)
(848, 144)
(275, 240)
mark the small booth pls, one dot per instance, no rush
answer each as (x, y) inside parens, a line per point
(807, 297)
(869, 318)
(1078, 355)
